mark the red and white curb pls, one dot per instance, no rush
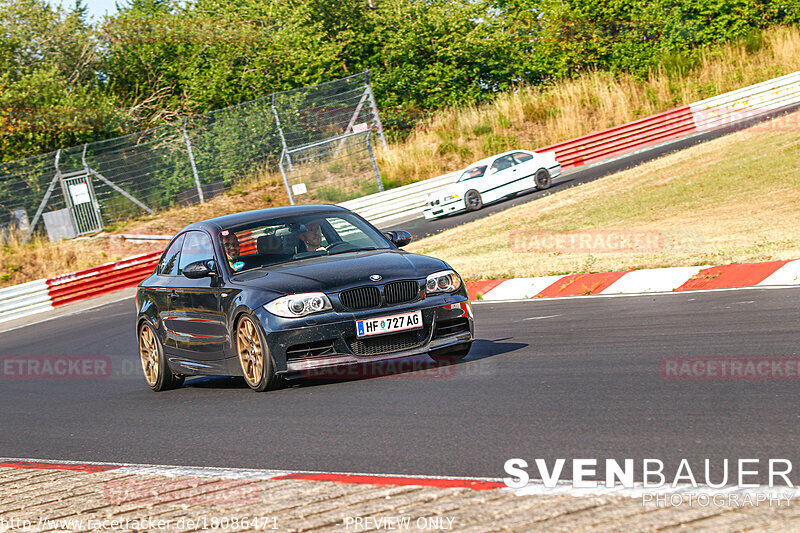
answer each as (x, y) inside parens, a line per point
(46, 294)
(534, 487)
(647, 281)
(442, 482)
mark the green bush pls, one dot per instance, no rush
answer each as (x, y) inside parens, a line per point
(481, 129)
(494, 143)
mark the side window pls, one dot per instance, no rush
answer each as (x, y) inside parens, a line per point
(196, 247)
(521, 157)
(503, 163)
(169, 261)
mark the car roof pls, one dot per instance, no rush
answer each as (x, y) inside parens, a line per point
(487, 160)
(249, 217)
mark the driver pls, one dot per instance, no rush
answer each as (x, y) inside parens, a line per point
(311, 238)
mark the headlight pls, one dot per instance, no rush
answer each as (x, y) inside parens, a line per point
(444, 281)
(297, 305)
(450, 197)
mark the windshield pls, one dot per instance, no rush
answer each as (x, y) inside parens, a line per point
(295, 238)
(474, 172)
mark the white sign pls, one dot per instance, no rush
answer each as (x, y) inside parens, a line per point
(79, 193)
(299, 188)
(360, 127)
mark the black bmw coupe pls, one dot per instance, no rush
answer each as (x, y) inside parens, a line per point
(282, 293)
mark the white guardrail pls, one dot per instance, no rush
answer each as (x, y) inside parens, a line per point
(728, 109)
(748, 102)
(25, 299)
(404, 202)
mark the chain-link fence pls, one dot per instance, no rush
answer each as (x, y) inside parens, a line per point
(80, 190)
(331, 170)
(327, 143)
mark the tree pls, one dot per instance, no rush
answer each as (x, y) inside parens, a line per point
(50, 95)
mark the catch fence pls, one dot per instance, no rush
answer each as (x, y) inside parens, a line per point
(83, 189)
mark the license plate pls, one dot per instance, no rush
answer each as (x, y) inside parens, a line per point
(388, 324)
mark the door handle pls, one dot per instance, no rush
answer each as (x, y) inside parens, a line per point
(173, 296)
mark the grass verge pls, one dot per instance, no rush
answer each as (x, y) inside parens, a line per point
(731, 200)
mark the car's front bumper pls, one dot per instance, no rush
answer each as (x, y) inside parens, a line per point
(303, 351)
(443, 209)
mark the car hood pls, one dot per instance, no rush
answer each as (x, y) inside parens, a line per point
(341, 271)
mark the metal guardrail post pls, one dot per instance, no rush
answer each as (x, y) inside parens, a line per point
(374, 163)
(285, 179)
(283, 138)
(46, 199)
(375, 112)
(119, 189)
(191, 161)
(352, 123)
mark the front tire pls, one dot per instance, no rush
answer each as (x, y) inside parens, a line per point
(473, 200)
(157, 373)
(256, 363)
(542, 179)
(451, 355)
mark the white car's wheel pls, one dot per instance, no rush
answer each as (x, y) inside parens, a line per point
(542, 179)
(473, 200)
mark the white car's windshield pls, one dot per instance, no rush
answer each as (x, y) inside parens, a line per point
(474, 172)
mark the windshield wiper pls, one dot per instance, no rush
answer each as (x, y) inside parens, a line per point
(365, 249)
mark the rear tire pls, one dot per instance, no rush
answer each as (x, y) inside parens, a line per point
(257, 366)
(157, 373)
(542, 179)
(473, 200)
(451, 355)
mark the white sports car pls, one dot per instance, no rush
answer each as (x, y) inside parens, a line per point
(494, 178)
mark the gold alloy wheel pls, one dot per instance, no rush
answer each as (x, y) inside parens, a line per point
(148, 353)
(249, 347)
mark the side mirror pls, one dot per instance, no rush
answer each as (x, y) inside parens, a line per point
(399, 238)
(199, 269)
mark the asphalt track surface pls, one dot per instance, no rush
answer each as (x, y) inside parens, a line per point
(568, 378)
